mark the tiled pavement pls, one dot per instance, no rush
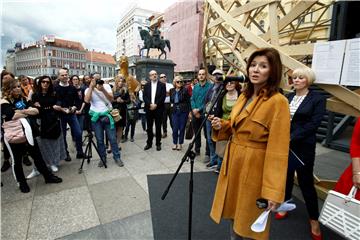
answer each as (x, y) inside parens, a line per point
(100, 203)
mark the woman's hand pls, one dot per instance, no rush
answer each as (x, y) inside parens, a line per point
(216, 123)
(37, 104)
(272, 205)
(356, 180)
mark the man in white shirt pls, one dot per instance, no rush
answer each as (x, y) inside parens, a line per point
(100, 96)
(167, 104)
(154, 97)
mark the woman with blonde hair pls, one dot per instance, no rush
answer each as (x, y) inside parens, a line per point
(307, 109)
(179, 97)
(121, 99)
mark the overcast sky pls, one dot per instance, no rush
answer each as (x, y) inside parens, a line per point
(93, 23)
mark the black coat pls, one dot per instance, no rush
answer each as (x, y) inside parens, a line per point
(159, 96)
(305, 122)
(184, 100)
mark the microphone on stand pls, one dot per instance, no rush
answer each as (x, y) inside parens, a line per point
(227, 79)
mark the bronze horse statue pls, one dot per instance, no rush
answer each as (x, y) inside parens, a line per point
(151, 42)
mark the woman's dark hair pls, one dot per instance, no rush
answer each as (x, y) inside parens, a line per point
(51, 86)
(4, 73)
(72, 77)
(273, 83)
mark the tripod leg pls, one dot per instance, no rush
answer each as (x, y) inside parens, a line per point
(85, 156)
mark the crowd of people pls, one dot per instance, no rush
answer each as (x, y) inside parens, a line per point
(255, 136)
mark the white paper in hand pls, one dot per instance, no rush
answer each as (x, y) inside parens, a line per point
(286, 207)
(260, 224)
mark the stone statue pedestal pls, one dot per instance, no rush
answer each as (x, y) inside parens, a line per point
(145, 65)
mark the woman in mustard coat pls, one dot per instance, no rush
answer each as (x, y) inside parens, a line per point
(256, 158)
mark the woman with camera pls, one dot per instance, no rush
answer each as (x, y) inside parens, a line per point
(13, 107)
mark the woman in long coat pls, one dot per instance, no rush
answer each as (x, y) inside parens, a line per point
(255, 161)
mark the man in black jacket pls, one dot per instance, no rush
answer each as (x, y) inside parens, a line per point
(154, 97)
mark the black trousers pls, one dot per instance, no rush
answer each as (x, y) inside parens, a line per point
(196, 122)
(151, 117)
(166, 114)
(306, 181)
(130, 124)
(19, 150)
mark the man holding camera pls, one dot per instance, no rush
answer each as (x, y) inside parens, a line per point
(100, 96)
(66, 95)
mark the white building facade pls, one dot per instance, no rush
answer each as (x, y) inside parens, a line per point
(128, 37)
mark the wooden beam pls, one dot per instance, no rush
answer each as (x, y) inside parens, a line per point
(250, 37)
(298, 50)
(344, 94)
(335, 105)
(241, 10)
(273, 23)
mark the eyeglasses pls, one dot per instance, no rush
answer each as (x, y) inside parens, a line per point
(162, 76)
(179, 82)
(47, 82)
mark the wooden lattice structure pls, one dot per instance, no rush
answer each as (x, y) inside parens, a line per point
(234, 29)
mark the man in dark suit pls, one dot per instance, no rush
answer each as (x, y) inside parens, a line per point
(154, 97)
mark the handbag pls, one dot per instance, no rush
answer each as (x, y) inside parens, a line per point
(14, 132)
(220, 147)
(341, 213)
(115, 113)
(189, 131)
(50, 126)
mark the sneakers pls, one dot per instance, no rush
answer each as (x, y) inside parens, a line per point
(34, 173)
(174, 147)
(124, 140)
(179, 147)
(68, 158)
(217, 171)
(206, 159)
(54, 168)
(24, 187)
(211, 165)
(26, 161)
(6, 165)
(119, 163)
(131, 139)
(53, 179)
(101, 164)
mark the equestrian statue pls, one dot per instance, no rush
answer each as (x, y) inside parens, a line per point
(154, 41)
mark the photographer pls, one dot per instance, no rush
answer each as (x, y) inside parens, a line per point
(100, 96)
(66, 96)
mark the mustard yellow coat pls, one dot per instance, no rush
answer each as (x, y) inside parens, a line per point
(255, 161)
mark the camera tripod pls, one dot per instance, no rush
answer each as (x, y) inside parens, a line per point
(88, 150)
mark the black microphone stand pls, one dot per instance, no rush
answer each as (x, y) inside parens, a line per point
(190, 155)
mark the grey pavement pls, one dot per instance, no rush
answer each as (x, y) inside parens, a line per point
(110, 203)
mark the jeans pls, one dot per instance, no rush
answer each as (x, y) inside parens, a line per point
(179, 122)
(213, 157)
(99, 127)
(72, 120)
(196, 125)
(81, 118)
